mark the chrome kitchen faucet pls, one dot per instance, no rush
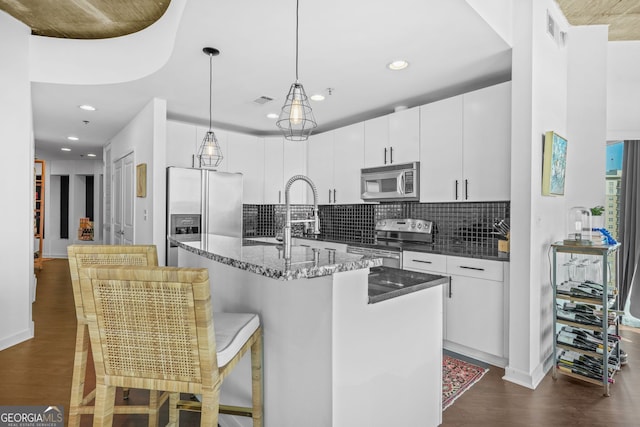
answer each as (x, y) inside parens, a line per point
(288, 221)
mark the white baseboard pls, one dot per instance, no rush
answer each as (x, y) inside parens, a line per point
(17, 338)
(491, 359)
(525, 379)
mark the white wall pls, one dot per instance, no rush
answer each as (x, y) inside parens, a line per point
(145, 136)
(77, 170)
(539, 84)
(587, 119)
(623, 90)
(561, 88)
(16, 184)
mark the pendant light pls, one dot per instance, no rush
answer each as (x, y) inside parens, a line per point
(296, 118)
(209, 154)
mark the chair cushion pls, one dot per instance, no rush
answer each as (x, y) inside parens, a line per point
(233, 330)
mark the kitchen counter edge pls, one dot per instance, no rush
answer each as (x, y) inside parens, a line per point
(277, 272)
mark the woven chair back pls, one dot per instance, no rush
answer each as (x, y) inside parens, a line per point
(85, 255)
(151, 327)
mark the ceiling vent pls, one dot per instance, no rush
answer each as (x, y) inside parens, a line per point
(554, 31)
(262, 100)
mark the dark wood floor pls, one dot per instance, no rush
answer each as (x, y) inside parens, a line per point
(38, 372)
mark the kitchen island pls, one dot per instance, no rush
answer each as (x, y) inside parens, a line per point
(332, 356)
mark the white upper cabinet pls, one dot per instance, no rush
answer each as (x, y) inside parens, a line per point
(487, 143)
(376, 134)
(295, 163)
(181, 144)
(334, 163)
(392, 139)
(465, 147)
(282, 160)
(273, 170)
(246, 155)
(348, 153)
(320, 166)
(441, 150)
(404, 136)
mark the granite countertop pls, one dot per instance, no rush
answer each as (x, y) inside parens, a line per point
(387, 282)
(266, 258)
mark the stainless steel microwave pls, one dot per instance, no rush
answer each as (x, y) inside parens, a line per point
(391, 183)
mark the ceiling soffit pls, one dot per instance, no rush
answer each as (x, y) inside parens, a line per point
(85, 19)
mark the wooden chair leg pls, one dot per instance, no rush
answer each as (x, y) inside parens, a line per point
(210, 407)
(256, 380)
(79, 374)
(174, 414)
(154, 399)
(105, 400)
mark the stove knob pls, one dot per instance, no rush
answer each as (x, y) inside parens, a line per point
(413, 224)
(419, 225)
(382, 223)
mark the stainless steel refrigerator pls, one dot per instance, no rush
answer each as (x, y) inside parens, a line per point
(202, 201)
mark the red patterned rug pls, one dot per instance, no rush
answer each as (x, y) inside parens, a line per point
(457, 377)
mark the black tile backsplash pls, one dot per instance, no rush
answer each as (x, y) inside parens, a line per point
(465, 224)
(268, 220)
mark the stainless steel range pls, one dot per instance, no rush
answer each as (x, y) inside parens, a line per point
(391, 235)
(398, 231)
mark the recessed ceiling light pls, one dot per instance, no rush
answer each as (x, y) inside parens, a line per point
(86, 107)
(73, 138)
(91, 155)
(317, 97)
(65, 149)
(399, 64)
(273, 115)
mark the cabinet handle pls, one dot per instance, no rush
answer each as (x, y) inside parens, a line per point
(466, 189)
(391, 155)
(334, 195)
(471, 268)
(329, 195)
(456, 189)
(385, 155)
(279, 196)
(304, 246)
(424, 262)
(330, 249)
(450, 287)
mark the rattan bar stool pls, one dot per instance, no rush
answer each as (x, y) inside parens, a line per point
(81, 256)
(154, 328)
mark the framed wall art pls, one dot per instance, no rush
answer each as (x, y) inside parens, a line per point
(141, 180)
(554, 164)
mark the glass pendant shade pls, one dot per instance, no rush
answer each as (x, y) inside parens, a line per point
(210, 154)
(296, 118)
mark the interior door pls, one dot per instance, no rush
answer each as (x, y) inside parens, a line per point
(123, 193)
(117, 203)
(128, 189)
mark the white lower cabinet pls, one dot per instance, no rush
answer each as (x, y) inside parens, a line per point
(474, 303)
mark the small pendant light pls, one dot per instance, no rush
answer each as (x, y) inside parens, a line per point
(296, 118)
(209, 154)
